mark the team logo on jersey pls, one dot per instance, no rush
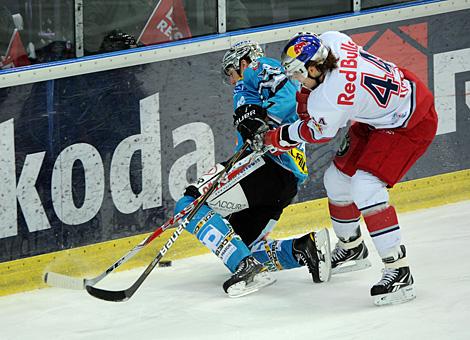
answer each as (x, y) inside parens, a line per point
(295, 50)
(254, 65)
(317, 125)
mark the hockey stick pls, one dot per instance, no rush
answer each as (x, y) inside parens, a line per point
(126, 294)
(240, 170)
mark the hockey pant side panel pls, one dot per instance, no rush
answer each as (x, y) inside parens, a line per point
(363, 188)
(231, 201)
(215, 233)
(386, 153)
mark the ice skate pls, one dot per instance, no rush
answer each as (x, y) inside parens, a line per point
(249, 277)
(396, 285)
(349, 256)
(313, 251)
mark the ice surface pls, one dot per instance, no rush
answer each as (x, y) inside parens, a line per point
(186, 301)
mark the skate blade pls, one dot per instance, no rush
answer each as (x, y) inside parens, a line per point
(322, 242)
(402, 295)
(260, 280)
(351, 266)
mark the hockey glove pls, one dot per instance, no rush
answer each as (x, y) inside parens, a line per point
(117, 40)
(250, 121)
(204, 182)
(279, 141)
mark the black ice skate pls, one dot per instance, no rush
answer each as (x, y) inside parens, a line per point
(396, 285)
(249, 277)
(349, 256)
(313, 250)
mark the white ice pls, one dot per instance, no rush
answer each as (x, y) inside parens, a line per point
(186, 301)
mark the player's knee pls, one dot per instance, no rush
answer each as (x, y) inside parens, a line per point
(367, 190)
(337, 184)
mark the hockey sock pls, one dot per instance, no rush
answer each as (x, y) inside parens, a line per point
(384, 229)
(275, 254)
(216, 233)
(345, 219)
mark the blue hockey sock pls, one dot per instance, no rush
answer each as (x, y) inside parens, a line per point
(216, 233)
(275, 254)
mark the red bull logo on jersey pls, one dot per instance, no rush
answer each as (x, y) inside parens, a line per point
(295, 50)
(348, 68)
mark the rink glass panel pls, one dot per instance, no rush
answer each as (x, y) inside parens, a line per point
(46, 28)
(50, 31)
(378, 3)
(242, 14)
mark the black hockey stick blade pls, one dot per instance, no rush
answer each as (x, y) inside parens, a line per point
(108, 295)
(126, 294)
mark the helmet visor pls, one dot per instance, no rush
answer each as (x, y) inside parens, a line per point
(294, 68)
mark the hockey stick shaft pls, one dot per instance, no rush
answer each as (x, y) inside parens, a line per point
(240, 170)
(123, 295)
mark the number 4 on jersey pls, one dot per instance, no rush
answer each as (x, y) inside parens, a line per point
(381, 89)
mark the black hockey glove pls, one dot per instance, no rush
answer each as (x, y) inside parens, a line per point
(204, 182)
(250, 121)
(117, 40)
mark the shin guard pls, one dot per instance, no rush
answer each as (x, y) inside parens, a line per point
(275, 254)
(216, 233)
(384, 229)
(345, 219)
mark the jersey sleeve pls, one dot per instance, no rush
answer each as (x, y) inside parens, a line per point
(324, 123)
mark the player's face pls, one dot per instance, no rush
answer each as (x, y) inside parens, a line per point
(232, 75)
(313, 72)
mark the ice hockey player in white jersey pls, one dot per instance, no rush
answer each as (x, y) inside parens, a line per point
(393, 123)
(235, 225)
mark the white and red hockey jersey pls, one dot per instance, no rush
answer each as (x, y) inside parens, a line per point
(364, 88)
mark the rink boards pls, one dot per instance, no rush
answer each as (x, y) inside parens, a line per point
(91, 162)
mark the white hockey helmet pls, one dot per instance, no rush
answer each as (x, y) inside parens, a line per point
(246, 48)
